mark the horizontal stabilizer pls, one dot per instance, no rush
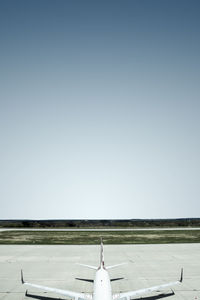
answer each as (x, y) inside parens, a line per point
(87, 266)
(114, 266)
(85, 279)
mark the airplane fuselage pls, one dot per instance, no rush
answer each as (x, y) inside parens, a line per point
(102, 285)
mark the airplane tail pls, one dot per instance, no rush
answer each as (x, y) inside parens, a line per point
(102, 263)
(101, 260)
(102, 255)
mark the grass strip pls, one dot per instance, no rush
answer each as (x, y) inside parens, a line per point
(93, 237)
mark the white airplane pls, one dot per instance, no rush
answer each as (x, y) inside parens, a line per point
(102, 285)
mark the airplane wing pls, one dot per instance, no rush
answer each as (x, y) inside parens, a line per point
(130, 294)
(72, 294)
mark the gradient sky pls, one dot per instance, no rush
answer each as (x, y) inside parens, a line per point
(99, 109)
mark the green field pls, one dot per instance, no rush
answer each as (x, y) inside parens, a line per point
(93, 237)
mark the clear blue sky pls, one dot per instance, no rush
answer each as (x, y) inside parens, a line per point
(99, 109)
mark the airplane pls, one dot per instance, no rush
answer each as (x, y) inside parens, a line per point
(102, 285)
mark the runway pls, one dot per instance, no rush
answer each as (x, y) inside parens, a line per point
(55, 266)
(99, 229)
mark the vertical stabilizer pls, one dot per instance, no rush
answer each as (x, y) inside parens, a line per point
(101, 255)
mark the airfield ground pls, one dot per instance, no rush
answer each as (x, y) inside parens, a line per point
(55, 266)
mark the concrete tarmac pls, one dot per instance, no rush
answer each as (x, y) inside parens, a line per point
(55, 266)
